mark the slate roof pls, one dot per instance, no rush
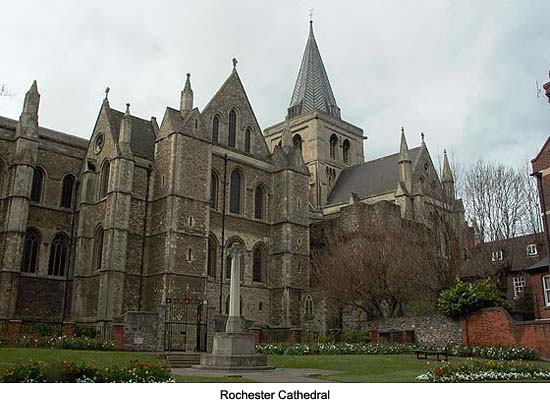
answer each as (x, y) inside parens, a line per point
(49, 133)
(312, 90)
(371, 178)
(142, 141)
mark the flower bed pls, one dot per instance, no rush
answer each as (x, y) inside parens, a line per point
(500, 353)
(61, 342)
(490, 370)
(68, 372)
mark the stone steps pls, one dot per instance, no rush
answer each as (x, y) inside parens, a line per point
(182, 359)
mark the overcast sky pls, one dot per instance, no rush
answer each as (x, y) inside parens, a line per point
(463, 72)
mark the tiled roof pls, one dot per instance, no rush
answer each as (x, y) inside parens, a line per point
(142, 140)
(371, 178)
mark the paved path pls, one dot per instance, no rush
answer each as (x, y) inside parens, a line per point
(264, 376)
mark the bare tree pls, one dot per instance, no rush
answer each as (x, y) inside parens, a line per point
(379, 269)
(501, 200)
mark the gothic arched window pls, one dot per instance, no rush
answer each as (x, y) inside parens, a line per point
(258, 264)
(232, 131)
(98, 248)
(31, 248)
(235, 194)
(215, 128)
(333, 146)
(247, 141)
(259, 202)
(37, 184)
(212, 256)
(59, 255)
(297, 140)
(214, 186)
(105, 176)
(67, 191)
(345, 151)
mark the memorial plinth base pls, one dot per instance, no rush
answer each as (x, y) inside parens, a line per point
(233, 351)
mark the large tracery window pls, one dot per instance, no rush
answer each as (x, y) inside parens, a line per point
(31, 248)
(235, 194)
(59, 255)
(333, 146)
(67, 191)
(232, 131)
(215, 128)
(37, 184)
(98, 248)
(259, 202)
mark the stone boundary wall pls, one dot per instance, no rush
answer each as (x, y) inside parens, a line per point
(436, 330)
(495, 327)
(144, 331)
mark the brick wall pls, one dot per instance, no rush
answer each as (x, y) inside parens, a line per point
(495, 327)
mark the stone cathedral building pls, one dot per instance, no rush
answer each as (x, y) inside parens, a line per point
(139, 215)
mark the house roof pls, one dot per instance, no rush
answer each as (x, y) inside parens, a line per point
(371, 178)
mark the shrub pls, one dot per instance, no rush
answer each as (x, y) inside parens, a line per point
(68, 372)
(81, 330)
(61, 342)
(41, 329)
(355, 337)
(484, 371)
(460, 300)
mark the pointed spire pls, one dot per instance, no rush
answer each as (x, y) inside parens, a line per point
(186, 101)
(32, 99)
(447, 174)
(312, 90)
(27, 127)
(126, 127)
(404, 148)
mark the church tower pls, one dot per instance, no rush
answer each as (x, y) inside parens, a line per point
(328, 143)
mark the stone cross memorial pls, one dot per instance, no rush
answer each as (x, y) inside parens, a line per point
(234, 349)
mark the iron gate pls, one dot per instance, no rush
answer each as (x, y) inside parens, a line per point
(185, 325)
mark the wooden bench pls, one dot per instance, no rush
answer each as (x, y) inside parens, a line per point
(424, 353)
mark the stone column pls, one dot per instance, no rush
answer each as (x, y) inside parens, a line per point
(234, 321)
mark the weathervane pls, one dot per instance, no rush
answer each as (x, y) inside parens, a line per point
(107, 92)
(235, 62)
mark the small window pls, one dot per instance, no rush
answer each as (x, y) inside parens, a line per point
(260, 306)
(496, 256)
(215, 128)
(212, 256)
(309, 306)
(105, 176)
(297, 141)
(258, 265)
(189, 255)
(235, 193)
(247, 141)
(259, 203)
(519, 285)
(37, 184)
(546, 289)
(214, 186)
(345, 151)
(232, 130)
(333, 146)
(532, 250)
(98, 143)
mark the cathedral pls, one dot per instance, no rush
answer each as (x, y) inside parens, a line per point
(138, 215)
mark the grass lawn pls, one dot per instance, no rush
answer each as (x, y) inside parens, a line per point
(12, 356)
(366, 368)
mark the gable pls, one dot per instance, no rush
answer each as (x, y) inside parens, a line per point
(232, 96)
